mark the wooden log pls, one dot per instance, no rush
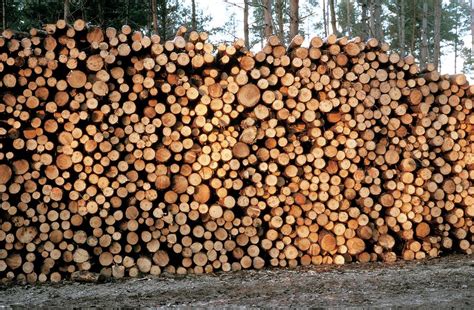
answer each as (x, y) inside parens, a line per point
(248, 95)
(123, 154)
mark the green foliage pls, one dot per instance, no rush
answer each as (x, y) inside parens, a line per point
(411, 25)
(256, 28)
(281, 19)
(25, 14)
(230, 28)
(349, 16)
(455, 22)
(346, 15)
(202, 19)
(455, 19)
(309, 15)
(169, 18)
(468, 64)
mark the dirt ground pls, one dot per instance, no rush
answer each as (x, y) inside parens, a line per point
(444, 282)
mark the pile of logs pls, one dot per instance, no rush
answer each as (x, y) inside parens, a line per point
(122, 154)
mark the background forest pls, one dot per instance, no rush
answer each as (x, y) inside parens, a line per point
(434, 31)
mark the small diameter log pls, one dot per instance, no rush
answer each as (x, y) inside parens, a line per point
(124, 154)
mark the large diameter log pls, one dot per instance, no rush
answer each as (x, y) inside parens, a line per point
(5, 174)
(248, 95)
(76, 79)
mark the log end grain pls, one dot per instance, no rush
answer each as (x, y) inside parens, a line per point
(248, 95)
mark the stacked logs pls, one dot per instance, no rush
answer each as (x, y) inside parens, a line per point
(123, 154)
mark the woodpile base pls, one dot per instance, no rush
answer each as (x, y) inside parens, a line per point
(121, 154)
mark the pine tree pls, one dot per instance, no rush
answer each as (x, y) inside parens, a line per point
(230, 29)
(294, 18)
(454, 26)
(257, 28)
(267, 17)
(3, 17)
(280, 16)
(310, 17)
(246, 23)
(332, 10)
(347, 18)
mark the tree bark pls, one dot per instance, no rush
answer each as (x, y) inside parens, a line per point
(364, 19)
(424, 36)
(294, 18)
(377, 12)
(455, 50)
(127, 11)
(246, 23)
(333, 16)
(328, 16)
(472, 29)
(456, 34)
(370, 5)
(101, 13)
(348, 18)
(437, 33)
(267, 15)
(4, 23)
(279, 13)
(163, 19)
(193, 14)
(66, 10)
(325, 21)
(401, 26)
(154, 16)
(413, 28)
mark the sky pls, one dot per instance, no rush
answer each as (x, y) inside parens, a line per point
(220, 11)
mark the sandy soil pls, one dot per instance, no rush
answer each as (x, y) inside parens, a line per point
(445, 282)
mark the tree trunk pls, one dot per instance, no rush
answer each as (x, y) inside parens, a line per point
(101, 13)
(279, 14)
(127, 11)
(149, 23)
(83, 13)
(370, 5)
(378, 29)
(437, 33)
(472, 29)
(4, 23)
(364, 19)
(246, 23)
(163, 19)
(325, 21)
(424, 36)
(456, 38)
(348, 18)
(66, 10)
(333, 16)
(328, 16)
(455, 50)
(401, 26)
(294, 18)
(414, 24)
(267, 14)
(154, 16)
(193, 14)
